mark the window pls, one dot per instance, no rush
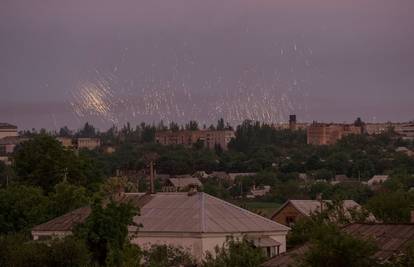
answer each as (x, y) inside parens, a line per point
(290, 220)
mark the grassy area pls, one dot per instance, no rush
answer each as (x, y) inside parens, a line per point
(263, 208)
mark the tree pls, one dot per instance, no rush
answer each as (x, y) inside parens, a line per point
(17, 251)
(220, 125)
(65, 198)
(65, 132)
(174, 126)
(392, 207)
(167, 255)
(21, 207)
(329, 246)
(105, 232)
(192, 126)
(41, 161)
(88, 131)
(235, 253)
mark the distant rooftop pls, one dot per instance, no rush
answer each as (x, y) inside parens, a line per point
(4, 125)
(391, 239)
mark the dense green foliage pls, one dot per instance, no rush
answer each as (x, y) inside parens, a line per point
(106, 232)
(235, 253)
(42, 161)
(329, 246)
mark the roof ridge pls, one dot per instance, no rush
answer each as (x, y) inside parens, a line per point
(203, 212)
(247, 211)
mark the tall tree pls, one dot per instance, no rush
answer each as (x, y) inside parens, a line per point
(106, 232)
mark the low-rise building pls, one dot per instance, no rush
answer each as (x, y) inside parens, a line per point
(390, 239)
(197, 222)
(405, 151)
(8, 130)
(88, 143)
(293, 210)
(208, 138)
(377, 180)
(259, 191)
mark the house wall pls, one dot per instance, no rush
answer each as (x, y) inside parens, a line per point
(50, 234)
(198, 244)
(288, 211)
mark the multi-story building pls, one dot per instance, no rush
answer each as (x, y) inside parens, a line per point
(88, 143)
(328, 134)
(210, 139)
(66, 142)
(7, 130)
(406, 130)
(377, 128)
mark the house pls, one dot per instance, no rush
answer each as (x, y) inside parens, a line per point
(390, 239)
(88, 143)
(259, 191)
(178, 184)
(292, 210)
(405, 151)
(198, 222)
(7, 130)
(200, 174)
(377, 180)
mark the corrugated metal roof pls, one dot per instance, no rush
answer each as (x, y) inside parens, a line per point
(201, 213)
(391, 239)
(179, 212)
(65, 222)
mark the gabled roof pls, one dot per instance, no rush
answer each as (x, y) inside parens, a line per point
(200, 213)
(308, 207)
(390, 239)
(65, 222)
(179, 213)
(185, 182)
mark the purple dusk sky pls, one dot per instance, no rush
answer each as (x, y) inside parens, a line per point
(108, 62)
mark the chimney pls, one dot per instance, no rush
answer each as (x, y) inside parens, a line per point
(192, 190)
(152, 188)
(319, 198)
(292, 122)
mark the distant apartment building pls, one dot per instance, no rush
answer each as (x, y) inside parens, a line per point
(7, 130)
(291, 125)
(329, 133)
(377, 128)
(65, 141)
(405, 130)
(88, 143)
(209, 138)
